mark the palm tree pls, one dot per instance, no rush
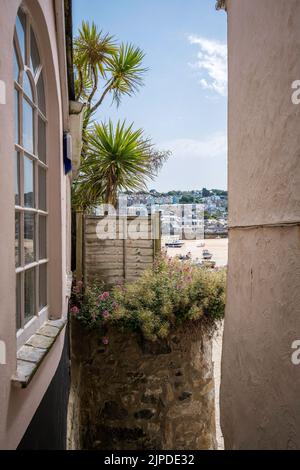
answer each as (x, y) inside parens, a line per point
(112, 159)
(119, 159)
(103, 68)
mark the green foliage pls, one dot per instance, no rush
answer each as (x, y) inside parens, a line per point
(119, 159)
(91, 306)
(103, 67)
(111, 159)
(187, 200)
(92, 50)
(126, 71)
(168, 295)
(206, 192)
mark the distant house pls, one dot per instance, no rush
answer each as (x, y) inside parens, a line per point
(36, 88)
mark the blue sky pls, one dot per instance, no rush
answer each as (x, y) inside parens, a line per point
(183, 105)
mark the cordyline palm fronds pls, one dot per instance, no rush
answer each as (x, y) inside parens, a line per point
(112, 159)
(119, 159)
(126, 73)
(104, 68)
(92, 50)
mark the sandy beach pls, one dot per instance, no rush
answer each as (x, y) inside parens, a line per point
(217, 247)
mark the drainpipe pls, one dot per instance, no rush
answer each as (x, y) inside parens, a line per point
(69, 47)
(76, 125)
(76, 109)
(62, 59)
(72, 110)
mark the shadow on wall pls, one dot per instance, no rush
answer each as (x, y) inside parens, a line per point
(48, 428)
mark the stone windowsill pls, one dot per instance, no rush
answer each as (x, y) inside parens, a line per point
(31, 355)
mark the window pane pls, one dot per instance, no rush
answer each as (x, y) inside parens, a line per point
(42, 141)
(27, 86)
(18, 301)
(28, 182)
(21, 31)
(17, 239)
(17, 179)
(42, 286)
(42, 189)
(41, 94)
(29, 293)
(16, 66)
(17, 118)
(34, 53)
(42, 237)
(29, 238)
(27, 126)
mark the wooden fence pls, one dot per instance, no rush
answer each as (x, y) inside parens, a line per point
(115, 250)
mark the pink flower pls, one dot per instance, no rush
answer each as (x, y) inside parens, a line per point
(106, 314)
(105, 340)
(78, 287)
(114, 305)
(75, 310)
(104, 296)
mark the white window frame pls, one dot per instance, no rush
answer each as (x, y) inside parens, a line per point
(27, 329)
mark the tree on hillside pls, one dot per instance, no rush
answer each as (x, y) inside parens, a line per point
(206, 192)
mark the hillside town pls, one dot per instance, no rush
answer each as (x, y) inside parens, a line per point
(210, 205)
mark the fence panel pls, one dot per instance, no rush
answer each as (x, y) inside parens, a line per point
(116, 250)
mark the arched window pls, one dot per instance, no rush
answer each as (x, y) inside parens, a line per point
(30, 174)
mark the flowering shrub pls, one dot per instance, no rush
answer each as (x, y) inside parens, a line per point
(91, 306)
(164, 297)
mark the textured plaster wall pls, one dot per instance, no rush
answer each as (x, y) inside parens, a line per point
(264, 142)
(260, 406)
(17, 407)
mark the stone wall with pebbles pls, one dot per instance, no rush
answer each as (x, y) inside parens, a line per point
(133, 395)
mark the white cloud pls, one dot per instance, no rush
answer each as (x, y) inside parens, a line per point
(211, 64)
(195, 163)
(212, 146)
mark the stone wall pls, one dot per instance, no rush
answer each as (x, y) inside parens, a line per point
(135, 395)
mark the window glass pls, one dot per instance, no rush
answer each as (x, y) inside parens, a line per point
(17, 118)
(42, 140)
(42, 189)
(34, 53)
(16, 66)
(28, 182)
(42, 286)
(29, 294)
(27, 126)
(18, 301)
(42, 237)
(21, 32)
(17, 239)
(17, 179)
(27, 86)
(41, 94)
(30, 175)
(29, 237)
